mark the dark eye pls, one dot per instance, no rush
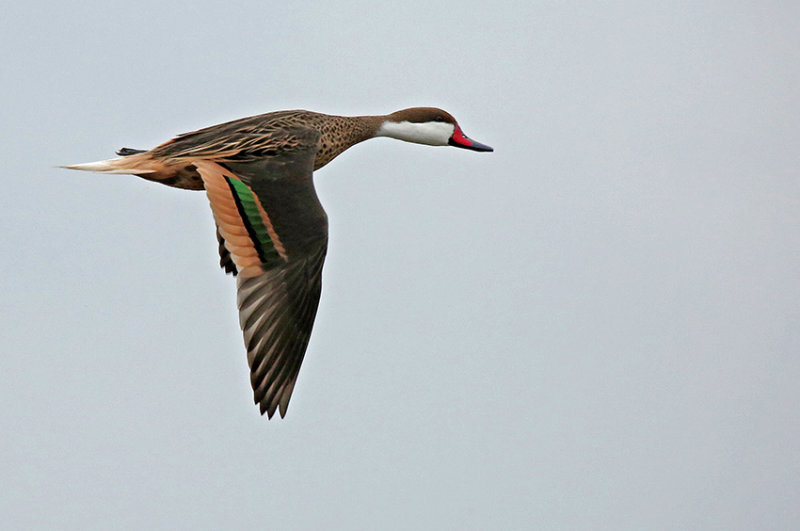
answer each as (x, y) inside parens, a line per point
(439, 119)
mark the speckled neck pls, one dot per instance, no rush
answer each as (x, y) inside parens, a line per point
(342, 132)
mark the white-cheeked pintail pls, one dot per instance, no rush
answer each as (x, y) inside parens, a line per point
(272, 230)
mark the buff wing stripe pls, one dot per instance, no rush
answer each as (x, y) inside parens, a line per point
(244, 224)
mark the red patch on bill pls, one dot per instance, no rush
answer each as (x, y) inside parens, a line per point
(460, 138)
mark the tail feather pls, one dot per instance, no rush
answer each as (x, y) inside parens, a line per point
(124, 164)
(127, 152)
(144, 165)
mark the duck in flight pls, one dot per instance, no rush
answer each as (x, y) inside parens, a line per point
(271, 228)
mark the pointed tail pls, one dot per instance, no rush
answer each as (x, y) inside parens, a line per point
(129, 163)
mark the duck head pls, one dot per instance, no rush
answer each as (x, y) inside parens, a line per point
(427, 125)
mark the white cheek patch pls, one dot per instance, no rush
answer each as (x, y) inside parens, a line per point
(430, 133)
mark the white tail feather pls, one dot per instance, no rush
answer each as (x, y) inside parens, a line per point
(118, 165)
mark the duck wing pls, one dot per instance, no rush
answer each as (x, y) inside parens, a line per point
(273, 229)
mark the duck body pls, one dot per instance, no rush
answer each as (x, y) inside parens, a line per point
(247, 140)
(271, 228)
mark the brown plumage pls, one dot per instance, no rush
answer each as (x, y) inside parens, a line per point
(272, 230)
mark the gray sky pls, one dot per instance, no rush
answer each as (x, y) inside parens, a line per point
(594, 327)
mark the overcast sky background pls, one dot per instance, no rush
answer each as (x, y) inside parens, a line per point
(597, 326)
